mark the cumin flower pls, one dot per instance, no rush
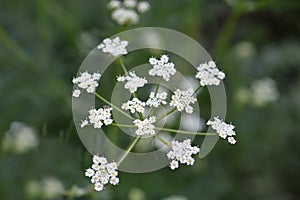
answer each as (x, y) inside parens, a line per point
(157, 100)
(102, 173)
(162, 67)
(223, 129)
(87, 82)
(182, 153)
(134, 105)
(209, 74)
(145, 127)
(133, 82)
(181, 99)
(98, 118)
(115, 46)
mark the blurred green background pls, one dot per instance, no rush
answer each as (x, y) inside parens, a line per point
(42, 44)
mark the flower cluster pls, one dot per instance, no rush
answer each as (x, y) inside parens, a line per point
(145, 127)
(134, 105)
(223, 129)
(127, 12)
(133, 81)
(162, 67)
(98, 117)
(209, 74)
(181, 99)
(102, 173)
(157, 100)
(115, 46)
(182, 153)
(86, 81)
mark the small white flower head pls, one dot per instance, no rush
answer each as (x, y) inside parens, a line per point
(87, 82)
(181, 99)
(125, 16)
(231, 140)
(102, 173)
(98, 118)
(209, 74)
(162, 67)
(223, 129)
(20, 138)
(115, 46)
(182, 152)
(114, 4)
(145, 127)
(130, 3)
(133, 82)
(157, 100)
(143, 6)
(76, 93)
(134, 105)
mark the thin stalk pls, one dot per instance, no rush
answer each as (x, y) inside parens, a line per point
(166, 114)
(112, 105)
(168, 130)
(184, 132)
(123, 65)
(163, 141)
(197, 89)
(130, 147)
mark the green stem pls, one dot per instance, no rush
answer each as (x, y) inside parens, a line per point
(166, 114)
(184, 132)
(197, 89)
(168, 130)
(129, 148)
(112, 105)
(163, 141)
(123, 65)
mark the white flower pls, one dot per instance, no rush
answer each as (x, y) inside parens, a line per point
(114, 4)
(182, 100)
(130, 3)
(162, 67)
(264, 91)
(125, 16)
(231, 140)
(115, 46)
(133, 81)
(98, 117)
(89, 172)
(134, 105)
(143, 6)
(223, 129)
(209, 74)
(86, 81)
(98, 186)
(20, 138)
(114, 180)
(157, 100)
(76, 93)
(102, 173)
(182, 152)
(174, 164)
(145, 127)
